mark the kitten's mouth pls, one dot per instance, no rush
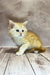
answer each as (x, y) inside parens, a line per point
(20, 34)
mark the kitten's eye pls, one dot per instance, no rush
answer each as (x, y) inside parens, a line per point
(22, 30)
(17, 30)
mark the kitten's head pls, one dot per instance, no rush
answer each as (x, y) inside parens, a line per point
(17, 29)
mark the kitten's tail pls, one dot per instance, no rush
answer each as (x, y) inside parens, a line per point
(40, 50)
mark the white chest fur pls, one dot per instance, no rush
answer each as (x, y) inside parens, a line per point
(18, 41)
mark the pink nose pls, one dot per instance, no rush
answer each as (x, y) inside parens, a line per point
(20, 34)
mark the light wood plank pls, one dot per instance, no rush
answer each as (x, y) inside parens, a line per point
(40, 65)
(47, 53)
(3, 63)
(18, 65)
(3, 51)
(2, 54)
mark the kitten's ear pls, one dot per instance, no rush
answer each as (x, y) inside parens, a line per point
(11, 24)
(25, 23)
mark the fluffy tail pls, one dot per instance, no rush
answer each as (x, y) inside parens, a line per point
(40, 50)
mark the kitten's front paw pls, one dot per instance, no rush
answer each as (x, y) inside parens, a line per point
(19, 53)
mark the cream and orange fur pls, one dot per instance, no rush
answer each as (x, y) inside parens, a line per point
(27, 40)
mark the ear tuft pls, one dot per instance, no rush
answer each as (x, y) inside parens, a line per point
(25, 23)
(11, 23)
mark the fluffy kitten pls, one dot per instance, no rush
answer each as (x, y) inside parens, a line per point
(24, 38)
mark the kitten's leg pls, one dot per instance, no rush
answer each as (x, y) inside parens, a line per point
(22, 49)
(36, 52)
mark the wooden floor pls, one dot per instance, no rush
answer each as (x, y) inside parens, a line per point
(27, 64)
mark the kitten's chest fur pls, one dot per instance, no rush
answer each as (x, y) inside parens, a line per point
(18, 41)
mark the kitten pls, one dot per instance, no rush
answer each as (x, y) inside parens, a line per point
(24, 38)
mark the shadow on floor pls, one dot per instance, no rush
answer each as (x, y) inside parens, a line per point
(11, 50)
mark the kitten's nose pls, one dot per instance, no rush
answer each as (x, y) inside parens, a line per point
(20, 34)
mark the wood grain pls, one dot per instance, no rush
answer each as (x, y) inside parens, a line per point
(27, 64)
(3, 62)
(46, 54)
(40, 65)
(18, 65)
